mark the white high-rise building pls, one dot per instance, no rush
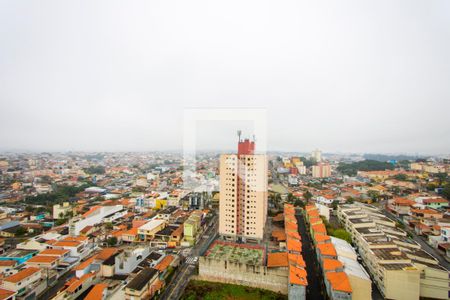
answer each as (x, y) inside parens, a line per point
(317, 155)
(243, 194)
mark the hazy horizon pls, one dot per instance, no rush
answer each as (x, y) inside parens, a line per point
(342, 76)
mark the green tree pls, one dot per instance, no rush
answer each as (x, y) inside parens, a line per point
(334, 204)
(308, 195)
(342, 234)
(446, 191)
(441, 177)
(374, 195)
(20, 231)
(299, 203)
(401, 177)
(290, 197)
(112, 241)
(60, 222)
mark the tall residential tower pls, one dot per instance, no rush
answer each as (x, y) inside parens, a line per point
(243, 194)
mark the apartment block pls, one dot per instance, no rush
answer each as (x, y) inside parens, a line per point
(243, 194)
(397, 265)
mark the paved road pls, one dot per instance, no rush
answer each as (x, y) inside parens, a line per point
(434, 252)
(174, 290)
(315, 288)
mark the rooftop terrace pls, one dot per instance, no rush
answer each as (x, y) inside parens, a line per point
(236, 253)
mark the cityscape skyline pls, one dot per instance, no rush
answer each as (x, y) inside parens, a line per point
(104, 84)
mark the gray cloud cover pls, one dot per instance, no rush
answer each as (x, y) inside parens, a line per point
(116, 75)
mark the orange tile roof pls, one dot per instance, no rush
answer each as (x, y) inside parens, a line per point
(77, 238)
(294, 235)
(319, 237)
(42, 259)
(403, 202)
(291, 226)
(296, 259)
(106, 253)
(310, 207)
(164, 263)
(5, 294)
(294, 245)
(327, 249)
(278, 218)
(91, 210)
(57, 252)
(7, 263)
(435, 200)
(67, 244)
(297, 276)
(315, 220)
(132, 231)
(290, 219)
(339, 281)
(84, 264)
(331, 264)
(313, 213)
(79, 282)
(426, 211)
(277, 259)
(319, 228)
(279, 234)
(96, 292)
(21, 274)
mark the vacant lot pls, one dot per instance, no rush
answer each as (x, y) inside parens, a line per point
(216, 291)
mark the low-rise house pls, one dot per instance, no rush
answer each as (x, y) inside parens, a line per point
(435, 203)
(23, 281)
(7, 295)
(401, 206)
(7, 267)
(148, 231)
(98, 292)
(143, 286)
(338, 285)
(21, 256)
(43, 261)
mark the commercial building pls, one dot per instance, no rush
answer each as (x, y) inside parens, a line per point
(243, 194)
(96, 215)
(148, 230)
(397, 264)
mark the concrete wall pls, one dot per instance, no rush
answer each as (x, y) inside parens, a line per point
(361, 288)
(273, 279)
(297, 292)
(402, 284)
(434, 283)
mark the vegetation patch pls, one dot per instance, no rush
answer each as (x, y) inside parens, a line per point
(216, 291)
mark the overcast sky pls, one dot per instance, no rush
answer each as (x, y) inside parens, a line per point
(349, 76)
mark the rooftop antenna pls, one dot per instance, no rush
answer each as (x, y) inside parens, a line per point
(239, 132)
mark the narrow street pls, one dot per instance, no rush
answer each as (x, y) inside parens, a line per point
(175, 288)
(315, 289)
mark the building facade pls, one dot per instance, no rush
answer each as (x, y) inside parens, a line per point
(243, 194)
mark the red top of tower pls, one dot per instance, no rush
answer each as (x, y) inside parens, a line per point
(246, 147)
